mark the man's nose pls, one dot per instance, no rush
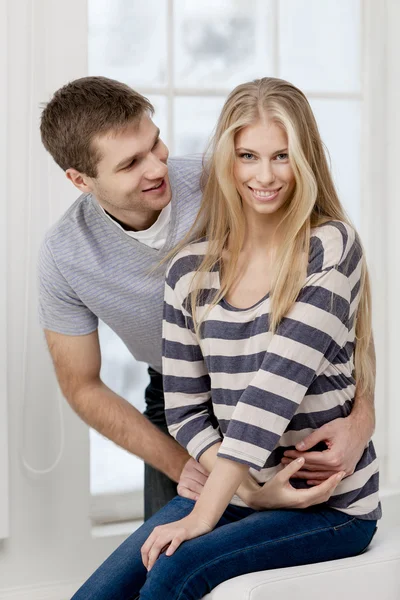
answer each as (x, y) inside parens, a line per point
(155, 168)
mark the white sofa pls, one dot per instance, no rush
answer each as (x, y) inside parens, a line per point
(374, 575)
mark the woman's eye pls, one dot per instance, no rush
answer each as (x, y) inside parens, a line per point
(282, 156)
(247, 155)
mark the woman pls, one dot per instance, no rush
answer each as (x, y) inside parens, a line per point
(262, 313)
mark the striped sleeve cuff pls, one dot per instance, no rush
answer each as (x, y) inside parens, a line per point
(243, 452)
(202, 441)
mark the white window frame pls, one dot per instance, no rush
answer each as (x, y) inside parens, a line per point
(379, 228)
(170, 91)
(382, 217)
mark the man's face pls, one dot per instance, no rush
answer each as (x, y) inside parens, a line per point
(132, 176)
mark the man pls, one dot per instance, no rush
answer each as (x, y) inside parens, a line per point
(100, 262)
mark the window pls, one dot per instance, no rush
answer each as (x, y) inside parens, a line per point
(186, 56)
(116, 481)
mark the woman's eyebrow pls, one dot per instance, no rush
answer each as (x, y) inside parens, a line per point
(282, 151)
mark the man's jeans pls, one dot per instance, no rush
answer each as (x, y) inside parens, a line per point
(158, 488)
(244, 541)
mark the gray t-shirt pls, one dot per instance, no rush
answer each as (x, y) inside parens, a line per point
(90, 270)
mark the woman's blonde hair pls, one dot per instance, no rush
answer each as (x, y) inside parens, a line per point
(221, 218)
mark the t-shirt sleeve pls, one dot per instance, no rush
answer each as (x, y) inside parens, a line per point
(60, 309)
(188, 406)
(306, 341)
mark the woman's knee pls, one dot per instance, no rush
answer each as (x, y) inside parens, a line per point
(172, 577)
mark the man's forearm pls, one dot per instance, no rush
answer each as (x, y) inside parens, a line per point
(363, 413)
(363, 408)
(119, 421)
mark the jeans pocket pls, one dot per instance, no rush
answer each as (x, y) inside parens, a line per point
(336, 527)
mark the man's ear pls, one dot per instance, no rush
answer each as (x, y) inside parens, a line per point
(82, 182)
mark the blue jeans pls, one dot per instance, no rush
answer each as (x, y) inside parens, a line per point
(244, 541)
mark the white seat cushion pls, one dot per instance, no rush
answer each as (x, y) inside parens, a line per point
(373, 575)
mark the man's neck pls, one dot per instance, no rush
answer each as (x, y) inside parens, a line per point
(134, 224)
(123, 225)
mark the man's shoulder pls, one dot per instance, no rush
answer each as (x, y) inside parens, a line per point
(186, 171)
(76, 219)
(188, 163)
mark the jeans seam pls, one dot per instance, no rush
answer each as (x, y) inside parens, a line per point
(336, 527)
(288, 537)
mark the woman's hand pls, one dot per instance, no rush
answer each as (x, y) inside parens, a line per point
(169, 537)
(279, 493)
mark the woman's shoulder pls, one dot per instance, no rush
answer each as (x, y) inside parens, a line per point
(186, 261)
(332, 244)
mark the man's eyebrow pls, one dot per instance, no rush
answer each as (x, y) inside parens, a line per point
(126, 161)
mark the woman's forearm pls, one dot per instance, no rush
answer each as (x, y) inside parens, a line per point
(248, 485)
(209, 457)
(222, 483)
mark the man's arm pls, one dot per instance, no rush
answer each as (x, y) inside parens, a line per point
(77, 361)
(345, 438)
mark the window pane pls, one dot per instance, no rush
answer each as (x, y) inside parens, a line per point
(195, 119)
(160, 115)
(111, 468)
(339, 123)
(319, 44)
(220, 43)
(128, 40)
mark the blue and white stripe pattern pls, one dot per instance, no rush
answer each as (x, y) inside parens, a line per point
(260, 393)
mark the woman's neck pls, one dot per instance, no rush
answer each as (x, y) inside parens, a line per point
(262, 233)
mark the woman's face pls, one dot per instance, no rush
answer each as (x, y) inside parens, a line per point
(264, 177)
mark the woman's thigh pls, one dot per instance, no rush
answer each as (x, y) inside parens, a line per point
(122, 575)
(260, 541)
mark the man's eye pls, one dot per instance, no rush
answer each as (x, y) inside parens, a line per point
(130, 165)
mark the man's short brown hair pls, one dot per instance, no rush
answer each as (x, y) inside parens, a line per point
(80, 111)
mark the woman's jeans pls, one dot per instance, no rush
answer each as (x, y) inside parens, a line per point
(244, 541)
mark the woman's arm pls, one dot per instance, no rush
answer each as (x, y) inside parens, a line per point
(226, 477)
(221, 484)
(278, 491)
(187, 393)
(248, 486)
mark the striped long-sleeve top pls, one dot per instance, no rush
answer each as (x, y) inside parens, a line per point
(261, 393)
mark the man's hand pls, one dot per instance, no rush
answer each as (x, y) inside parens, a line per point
(192, 480)
(345, 439)
(279, 493)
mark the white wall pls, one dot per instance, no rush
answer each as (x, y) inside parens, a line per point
(49, 531)
(4, 498)
(50, 548)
